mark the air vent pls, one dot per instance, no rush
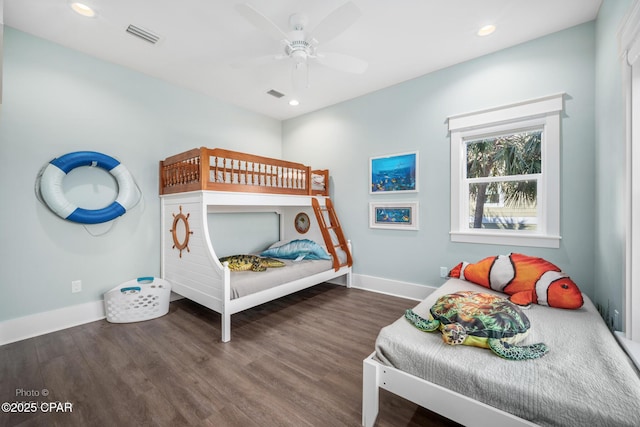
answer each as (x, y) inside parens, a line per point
(275, 93)
(143, 34)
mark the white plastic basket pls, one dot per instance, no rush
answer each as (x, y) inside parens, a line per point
(139, 299)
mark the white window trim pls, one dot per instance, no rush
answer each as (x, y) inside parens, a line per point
(629, 42)
(540, 112)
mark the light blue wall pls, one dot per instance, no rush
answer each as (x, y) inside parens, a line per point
(412, 116)
(610, 162)
(243, 233)
(57, 101)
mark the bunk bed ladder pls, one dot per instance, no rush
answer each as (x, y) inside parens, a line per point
(333, 225)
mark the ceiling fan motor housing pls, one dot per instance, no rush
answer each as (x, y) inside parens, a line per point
(298, 48)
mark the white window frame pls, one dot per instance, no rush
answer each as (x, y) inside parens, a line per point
(536, 113)
(629, 40)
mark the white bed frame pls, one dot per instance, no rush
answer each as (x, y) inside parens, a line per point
(448, 403)
(195, 271)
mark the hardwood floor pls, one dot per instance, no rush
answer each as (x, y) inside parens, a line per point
(296, 361)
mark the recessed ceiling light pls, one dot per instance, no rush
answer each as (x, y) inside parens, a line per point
(83, 9)
(294, 102)
(486, 30)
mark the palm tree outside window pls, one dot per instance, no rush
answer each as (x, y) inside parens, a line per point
(502, 175)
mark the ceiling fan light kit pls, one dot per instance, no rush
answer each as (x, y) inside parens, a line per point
(301, 45)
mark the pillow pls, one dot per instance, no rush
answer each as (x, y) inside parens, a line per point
(526, 279)
(317, 181)
(297, 249)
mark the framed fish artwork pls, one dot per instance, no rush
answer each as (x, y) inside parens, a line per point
(396, 173)
(393, 215)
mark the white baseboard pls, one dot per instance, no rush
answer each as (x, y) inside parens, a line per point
(395, 288)
(21, 328)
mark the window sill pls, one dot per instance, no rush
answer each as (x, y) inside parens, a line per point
(631, 347)
(493, 238)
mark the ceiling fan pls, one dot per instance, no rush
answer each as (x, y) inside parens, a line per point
(300, 46)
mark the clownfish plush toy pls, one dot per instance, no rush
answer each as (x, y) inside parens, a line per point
(528, 280)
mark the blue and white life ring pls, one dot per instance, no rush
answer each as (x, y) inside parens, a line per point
(51, 190)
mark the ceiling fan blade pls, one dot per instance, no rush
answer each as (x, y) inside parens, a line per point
(342, 62)
(260, 21)
(336, 22)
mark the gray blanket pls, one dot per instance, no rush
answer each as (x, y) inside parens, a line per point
(248, 282)
(586, 379)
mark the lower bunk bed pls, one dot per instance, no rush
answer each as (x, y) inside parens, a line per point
(191, 265)
(585, 379)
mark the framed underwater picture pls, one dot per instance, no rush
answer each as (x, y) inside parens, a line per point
(397, 173)
(394, 215)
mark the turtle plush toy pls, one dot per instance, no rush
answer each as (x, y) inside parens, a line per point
(481, 320)
(250, 262)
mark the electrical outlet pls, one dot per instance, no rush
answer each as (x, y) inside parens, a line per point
(443, 272)
(76, 286)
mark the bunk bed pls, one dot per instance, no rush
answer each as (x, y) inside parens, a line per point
(203, 181)
(585, 379)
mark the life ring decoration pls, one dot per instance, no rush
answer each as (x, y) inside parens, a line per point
(51, 189)
(181, 223)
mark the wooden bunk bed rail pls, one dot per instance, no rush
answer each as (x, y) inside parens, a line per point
(218, 169)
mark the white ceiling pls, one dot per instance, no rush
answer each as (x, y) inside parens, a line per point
(200, 39)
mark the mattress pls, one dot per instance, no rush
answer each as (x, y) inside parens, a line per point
(585, 379)
(248, 282)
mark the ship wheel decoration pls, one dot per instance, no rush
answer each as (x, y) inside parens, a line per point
(181, 228)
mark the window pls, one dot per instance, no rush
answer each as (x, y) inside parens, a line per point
(501, 181)
(505, 173)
